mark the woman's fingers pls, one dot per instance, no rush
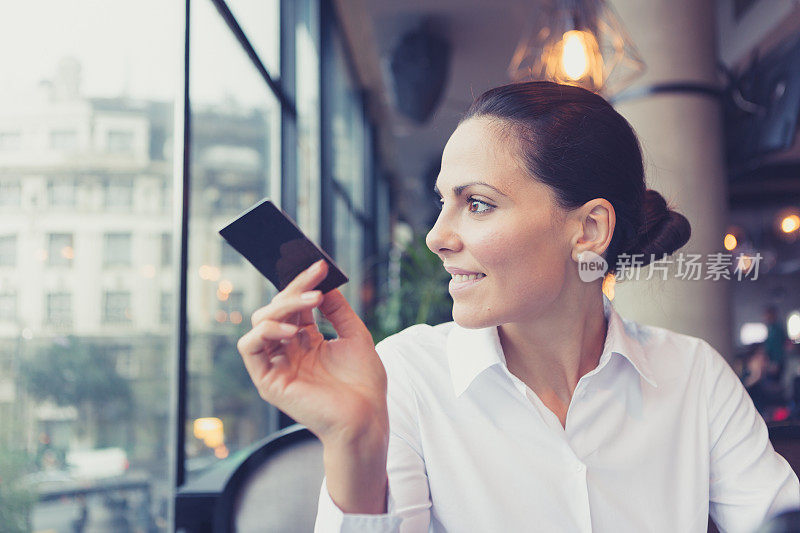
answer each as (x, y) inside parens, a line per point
(280, 309)
(254, 341)
(308, 278)
(344, 320)
(254, 347)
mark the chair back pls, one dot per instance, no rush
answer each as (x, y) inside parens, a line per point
(276, 488)
(785, 438)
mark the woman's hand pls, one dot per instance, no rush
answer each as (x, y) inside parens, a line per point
(336, 388)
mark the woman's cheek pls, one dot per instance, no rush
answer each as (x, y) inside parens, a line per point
(492, 249)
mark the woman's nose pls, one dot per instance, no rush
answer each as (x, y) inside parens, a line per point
(442, 237)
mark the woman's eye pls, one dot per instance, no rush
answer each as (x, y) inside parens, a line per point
(472, 201)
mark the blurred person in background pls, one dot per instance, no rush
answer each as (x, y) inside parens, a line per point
(764, 389)
(775, 344)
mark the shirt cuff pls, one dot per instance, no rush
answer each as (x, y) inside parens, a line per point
(331, 519)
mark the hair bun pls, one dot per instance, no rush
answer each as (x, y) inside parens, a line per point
(663, 230)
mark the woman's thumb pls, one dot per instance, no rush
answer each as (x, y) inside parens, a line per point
(345, 321)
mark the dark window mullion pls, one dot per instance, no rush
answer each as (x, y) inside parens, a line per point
(287, 104)
(326, 108)
(288, 86)
(181, 181)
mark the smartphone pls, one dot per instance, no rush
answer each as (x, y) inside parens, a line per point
(271, 241)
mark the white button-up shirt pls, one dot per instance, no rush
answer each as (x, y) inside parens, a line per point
(657, 435)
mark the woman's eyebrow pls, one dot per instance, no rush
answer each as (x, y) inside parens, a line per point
(457, 190)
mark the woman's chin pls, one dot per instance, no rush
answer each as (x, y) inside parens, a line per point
(469, 319)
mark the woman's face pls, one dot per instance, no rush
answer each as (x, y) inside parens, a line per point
(506, 228)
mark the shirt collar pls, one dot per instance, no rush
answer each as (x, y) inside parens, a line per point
(471, 351)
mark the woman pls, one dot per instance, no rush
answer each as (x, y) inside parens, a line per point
(538, 408)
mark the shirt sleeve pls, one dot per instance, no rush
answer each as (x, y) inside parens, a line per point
(749, 482)
(408, 502)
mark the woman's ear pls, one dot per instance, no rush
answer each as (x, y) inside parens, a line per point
(596, 220)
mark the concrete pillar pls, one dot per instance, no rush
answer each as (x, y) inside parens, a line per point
(681, 137)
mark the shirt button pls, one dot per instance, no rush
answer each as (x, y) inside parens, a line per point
(580, 467)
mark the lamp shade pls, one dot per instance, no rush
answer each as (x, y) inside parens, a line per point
(577, 42)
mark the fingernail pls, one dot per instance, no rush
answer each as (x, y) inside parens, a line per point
(289, 328)
(309, 296)
(318, 265)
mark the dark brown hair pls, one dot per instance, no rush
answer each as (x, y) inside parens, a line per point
(573, 141)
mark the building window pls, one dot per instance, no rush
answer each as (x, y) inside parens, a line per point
(10, 140)
(8, 250)
(120, 142)
(119, 194)
(127, 364)
(117, 249)
(59, 309)
(61, 193)
(64, 140)
(10, 193)
(59, 131)
(165, 308)
(166, 249)
(60, 249)
(116, 307)
(8, 306)
(229, 255)
(166, 197)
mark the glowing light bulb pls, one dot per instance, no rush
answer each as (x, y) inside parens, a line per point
(225, 286)
(790, 223)
(730, 242)
(793, 326)
(575, 54)
(204, 426)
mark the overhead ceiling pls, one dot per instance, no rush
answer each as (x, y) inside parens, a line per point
(483, 35)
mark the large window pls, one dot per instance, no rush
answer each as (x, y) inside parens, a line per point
(235, 161)
(346, 137)
(307, 102)
(86, 115)
(93, 305)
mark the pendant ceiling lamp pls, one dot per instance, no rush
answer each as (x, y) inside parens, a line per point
(578, 42)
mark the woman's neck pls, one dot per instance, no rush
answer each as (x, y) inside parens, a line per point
(555, 348)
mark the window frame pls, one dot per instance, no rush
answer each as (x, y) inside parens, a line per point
(285, 90)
